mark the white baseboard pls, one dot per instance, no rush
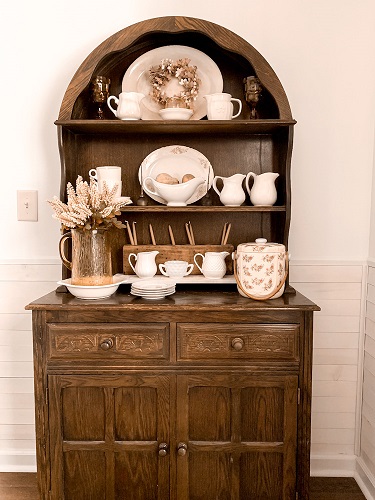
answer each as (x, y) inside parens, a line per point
(18, 461)
(333, 465)
(365, 479)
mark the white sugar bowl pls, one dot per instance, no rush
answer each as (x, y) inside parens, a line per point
(260, 269)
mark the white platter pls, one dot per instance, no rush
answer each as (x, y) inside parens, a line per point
(177, 161)
(136, 78)
(94, 292)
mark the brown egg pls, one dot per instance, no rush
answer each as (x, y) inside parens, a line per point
(187, 177)
(166, 179)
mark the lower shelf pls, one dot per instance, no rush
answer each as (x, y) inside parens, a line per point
(187, 280)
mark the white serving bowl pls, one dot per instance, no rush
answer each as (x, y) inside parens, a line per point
(93, 292)
(176, 113)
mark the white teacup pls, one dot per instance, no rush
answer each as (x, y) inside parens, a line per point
(108, 174)
(176, 268)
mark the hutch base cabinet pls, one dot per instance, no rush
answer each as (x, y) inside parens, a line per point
(201, 396)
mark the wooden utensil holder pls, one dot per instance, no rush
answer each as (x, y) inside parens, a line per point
(177, 252)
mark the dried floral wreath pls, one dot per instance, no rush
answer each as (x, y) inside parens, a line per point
(182, 70)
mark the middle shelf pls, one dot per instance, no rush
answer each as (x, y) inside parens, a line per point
(203, 208)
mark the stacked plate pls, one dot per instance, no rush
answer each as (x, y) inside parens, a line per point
(153, 288)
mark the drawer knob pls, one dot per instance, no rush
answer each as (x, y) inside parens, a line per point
(182, 449)
(163, 449)
(106, 344)
(237, 344)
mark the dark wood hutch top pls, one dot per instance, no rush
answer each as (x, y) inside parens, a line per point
(206, 298)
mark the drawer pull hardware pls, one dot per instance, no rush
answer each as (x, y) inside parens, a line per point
(182, 449)
(237, 344)
(106, 344)
(163, 449)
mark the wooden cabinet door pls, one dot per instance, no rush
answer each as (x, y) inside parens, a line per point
(105, 437)
(240, 434)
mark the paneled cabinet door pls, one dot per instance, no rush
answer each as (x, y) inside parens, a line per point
(107, 437)
(236, 437)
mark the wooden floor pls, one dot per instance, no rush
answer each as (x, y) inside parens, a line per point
(22, 486)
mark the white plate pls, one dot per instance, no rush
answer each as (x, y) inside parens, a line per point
(150, 292)
(94, 292)
(154, 284)
(136, 78)
(177, 161)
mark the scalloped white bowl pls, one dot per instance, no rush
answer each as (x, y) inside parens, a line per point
(94, 292)
(176, 113)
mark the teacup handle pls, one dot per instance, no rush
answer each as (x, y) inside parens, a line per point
(129, 259)
(214, 184)
(190, 268)
(196, 263)
(114, 111)
(247, 180)
(240, 106)
(148, 191)
(93, 173)
(65, 261)
(163, 270)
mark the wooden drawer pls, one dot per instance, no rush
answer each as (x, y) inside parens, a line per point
(237, 341)
(101, 341)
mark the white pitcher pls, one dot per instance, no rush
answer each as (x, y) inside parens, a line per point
(213, 264)
(232, 194)
(220, 107)
(263, 192)
(128, 105)
(145, 266)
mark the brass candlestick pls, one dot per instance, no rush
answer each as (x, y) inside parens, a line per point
(253, 89)
(99, 94)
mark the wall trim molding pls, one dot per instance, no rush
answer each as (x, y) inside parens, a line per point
(365, 479)
(317, 262)
(18, 461)
(332, 465)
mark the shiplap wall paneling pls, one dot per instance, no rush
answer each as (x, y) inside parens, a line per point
(19, 285)
(368, 394)
(337, 289)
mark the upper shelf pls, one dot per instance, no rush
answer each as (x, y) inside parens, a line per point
(183, 127)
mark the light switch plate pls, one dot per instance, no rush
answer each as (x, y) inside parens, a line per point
(27, 205)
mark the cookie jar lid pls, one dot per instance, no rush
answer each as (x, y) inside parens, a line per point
(261, 245)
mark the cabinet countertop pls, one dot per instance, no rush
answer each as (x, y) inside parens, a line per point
(186, 298)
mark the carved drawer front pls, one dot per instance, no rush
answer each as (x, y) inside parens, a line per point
(100, 341)
(237, 341)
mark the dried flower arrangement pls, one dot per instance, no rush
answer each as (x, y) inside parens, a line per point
(87, 208)
(182, 70)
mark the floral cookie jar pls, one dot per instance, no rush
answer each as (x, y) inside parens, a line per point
(260, 269)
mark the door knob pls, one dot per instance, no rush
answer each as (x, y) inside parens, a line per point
(237, 344)
(163, 449)
(182, 449)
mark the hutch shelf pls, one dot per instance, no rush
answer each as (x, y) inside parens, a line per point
(204, 394)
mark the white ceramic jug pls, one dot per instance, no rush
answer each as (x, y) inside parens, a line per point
(263, 191)
(145, 266)
(232, 194)
(128, 105)
(213, 264)
(220, 107)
